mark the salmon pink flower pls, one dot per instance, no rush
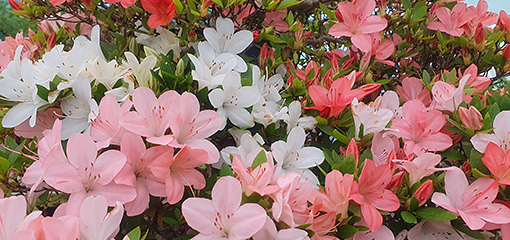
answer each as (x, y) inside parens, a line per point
(452, 21)
(428, 229)
(179, 171)
(473, 203)
(446, 96)
(105, 129)
(95, 220)
(338, 193)
(358, 23)
(331, 102)
(420, 167)
(498, 162)
(162, 12)
(479, 83)
(371, 193)
(223, 216)
(269, 232)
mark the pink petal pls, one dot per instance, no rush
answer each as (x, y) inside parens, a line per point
(200, 214)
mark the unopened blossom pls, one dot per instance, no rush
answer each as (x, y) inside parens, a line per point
(471, 118)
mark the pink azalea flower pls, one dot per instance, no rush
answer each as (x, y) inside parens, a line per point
(277, 20)
(13, 219)
(50, 152)
(412, 88)
(291, 202)
(152, 116)
(223, 216)
(179, 171)
(105, 129)
(473, 203)
(358, 23)
(446, 96)
(479, 83)
(258, 179)
(383, 233)
(269, 232)
(85, 175)
(323, 225)
(52, 228)
(482, 15)
(428, 229)
(419, 127)
(420, 167)
(337, 195)
(137, 171)
(371, 193)
(501, 136)
(331, 102)
(45, 120)
(191, 126)
(452, 21)
(95, 220)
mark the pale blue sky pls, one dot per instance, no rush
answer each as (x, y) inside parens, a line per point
(494, 5)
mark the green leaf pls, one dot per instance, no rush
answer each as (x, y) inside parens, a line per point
(426, 77)
(459, 225)
(475, 158)
(362, 228)
(348, 164)
(322, 121)
(4, 165)
(407, 4)
(259, 159)
(346, 231)
(326, 11)
(494, 110)
(454, 154)
(408, 217)
(354, 209)
(270, 130)
(435, 214)
(414, 204)
(134, 234)
(226, 170)
(341, 137)
(42, 92)
(505, 103)
(383, 81)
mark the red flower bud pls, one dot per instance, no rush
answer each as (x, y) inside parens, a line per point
(422, 194)
(16, 5)
(255, 35)
(396, 181)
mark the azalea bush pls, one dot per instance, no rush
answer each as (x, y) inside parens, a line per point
(241, 119)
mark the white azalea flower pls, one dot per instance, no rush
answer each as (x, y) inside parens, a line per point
(79, 109)
(210, 70)
(66, 65)
(294, 118)
(108, 73)
(376, 115)
(163, 43)
(291, 156)
(246, 142)
(223, 40)
(140, 70)
(233, 100)
(18, 85)
(269, 112)
(269, 88)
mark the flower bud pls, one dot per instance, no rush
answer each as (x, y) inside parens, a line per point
(179, 70)
(396, 181)
(471, 118)
(422, 194)
(16, 5)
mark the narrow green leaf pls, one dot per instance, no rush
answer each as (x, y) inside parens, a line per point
(435, 214)
(134, 234)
